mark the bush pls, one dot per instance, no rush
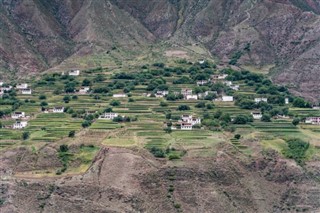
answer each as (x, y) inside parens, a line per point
(86, 124)
(296, 121)
(42, 97)
(237, 136)
(183, 107)
(201, 104)
(163, 104)
(174, 157)
(158, 153)
(115, 103)
(266, 118)
(25, 135)
(63, 148)
(296, 150)
(72, 134)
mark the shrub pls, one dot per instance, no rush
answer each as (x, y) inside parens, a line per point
(72, 134)
(115, 103)
(183, 107)
(174, 156)
(266, 118)
(163, 104)
(296, 121)
(296, 150)
(158, 153)
(25, 135)
(42, 97)
(237, 136)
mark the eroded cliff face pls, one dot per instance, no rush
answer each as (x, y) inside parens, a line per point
(123, 180)
(284, 34)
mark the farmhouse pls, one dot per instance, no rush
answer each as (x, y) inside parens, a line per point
(190, 119)
(6, 88)
(192, 97)
(227, 83)
(256, 115)
(227, 98)
(204, 94)
(161, 94)
(218, 77)
(84, 90)
(315, 107)
(258, 100)
(186, 92)
(1, 83)
(26, 91)
(108, 115)
(202, 82)
(22, 86)
(235, 87)
(58, 110)
(18, 115)
(20, 124)
(313, 120)
(120, 95)
(286, 100)
(74, 73)
(186, 126)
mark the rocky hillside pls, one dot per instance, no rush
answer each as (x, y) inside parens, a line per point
(279, 34)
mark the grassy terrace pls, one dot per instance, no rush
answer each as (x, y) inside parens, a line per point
(148, 130)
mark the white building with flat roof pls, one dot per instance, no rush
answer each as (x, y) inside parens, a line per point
(256, 115)
(258, 100)
(58, 110)
(26, 91)
(20, 124)
(109, 115)
(313, 120)
(192, 97)
(18, 115)
(120, 95)
(74, 73)
(22, 86)
(227, 98)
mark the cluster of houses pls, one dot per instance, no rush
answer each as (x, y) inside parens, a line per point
(313, 120)
(187, 122)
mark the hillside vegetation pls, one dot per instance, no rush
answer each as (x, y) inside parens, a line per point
(142, 159)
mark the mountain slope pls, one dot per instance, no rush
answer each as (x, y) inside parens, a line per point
(284, 34)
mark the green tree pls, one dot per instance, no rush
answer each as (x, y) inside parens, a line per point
(25, 135)
(295, 121)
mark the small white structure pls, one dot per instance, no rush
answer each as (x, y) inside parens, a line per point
(1, 83)
(84, 90)
(286, 100)
(22, 86)
(6, 88)
(227, 83)
(313, 120)
(201, 61)
(192, 97)
(227, 98)
(235, 87)
(108, 115)
(315, 107)
(219, 77)
(58, 110)
(256, 115)
(186, 92)
(190, 119)
(74, 73)
(26, 92)
(20, 124)
(18, 115)
(186, 126)
(204, 94)
(202, 82)
(120, 95)
(258, 100)
(161, 94)
(91, 112)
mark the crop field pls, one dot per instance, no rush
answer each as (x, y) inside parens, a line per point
(143, 121)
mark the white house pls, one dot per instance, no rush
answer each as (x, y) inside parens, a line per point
(74, 73)
(161, 94)
(120, 95)
(227, 83)
(26, 91)
(22, 86)
(18, 115)
(313, 120)
(227, 98)
(219, 77)
(20, 124)
(190, 119)
(192, 97)
(108, 115)
(258, 100)
(58, 110)
(1, 83)
(235, 87)
(256, 115)
(186, 92)
(84, 90)
(6, 88)
(186, 126)
(202, 82)
(315, 107)
(286, 100)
